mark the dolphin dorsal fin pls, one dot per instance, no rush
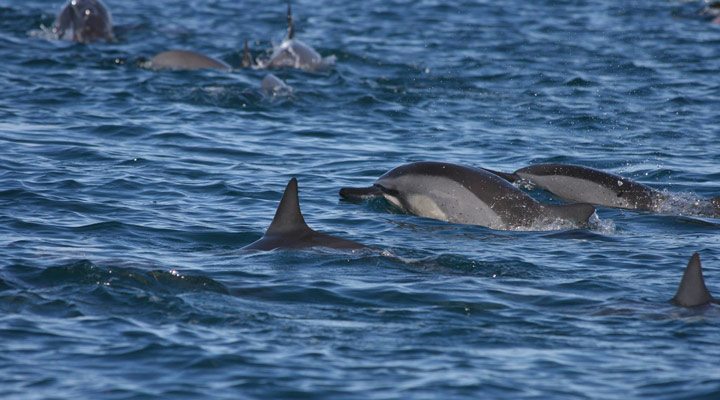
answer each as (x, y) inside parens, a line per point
(692, 290)
(291, 26)
(288, 216)
(247, 60)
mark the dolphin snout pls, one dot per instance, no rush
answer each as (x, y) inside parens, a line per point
(364, 193)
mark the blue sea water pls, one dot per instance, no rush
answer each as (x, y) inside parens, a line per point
(126, 196)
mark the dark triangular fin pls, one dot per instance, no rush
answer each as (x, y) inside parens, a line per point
(692, 290)
(579, 213)
(291, 26)
(510, 177)
(288, 216)
(247, 60)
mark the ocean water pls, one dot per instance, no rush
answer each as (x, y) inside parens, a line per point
(126, 196)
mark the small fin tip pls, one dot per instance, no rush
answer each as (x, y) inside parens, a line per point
(291, 26)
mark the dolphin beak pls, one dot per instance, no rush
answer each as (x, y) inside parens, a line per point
(356, 194)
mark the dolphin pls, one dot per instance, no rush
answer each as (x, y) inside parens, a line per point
(288, 229)
(588, 185)
(466, 195)
(293, 53)
(184, 60)
(273, 86)
(692, 291)
(84, 21)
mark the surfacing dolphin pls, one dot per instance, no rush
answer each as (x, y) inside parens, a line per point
(271, 85)
(692, 291)
(588, 185)
(84, 21)
(293, 53)
(466, 195)
(184, 60)
(288, 229)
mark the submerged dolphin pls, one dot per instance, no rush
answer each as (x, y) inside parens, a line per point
(692, 291)
(273, 86)
(288, 229)
(184, 60)
(84, 21)
(589, 185)
(293, 53)
(466, 195)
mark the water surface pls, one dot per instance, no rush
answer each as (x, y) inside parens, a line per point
(127, 194)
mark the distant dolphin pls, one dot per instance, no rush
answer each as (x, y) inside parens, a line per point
(288, 229)
(466, 195)
(692, 291)
(84, 21)
(273, 86)
(184, 60)
(589, 185)
(292, 53)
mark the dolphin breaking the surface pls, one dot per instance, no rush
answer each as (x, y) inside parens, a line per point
(288, 229)
(293, 53)
(84, 21)
(271, 85)
(588, 185)
(185, 60)
(466, 195)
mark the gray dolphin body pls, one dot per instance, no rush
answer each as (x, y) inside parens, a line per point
(293, 53)
(583, 184)
(692, 291)
(459, 194)
(273, 86)
(84, 21)
(185, 60)
(288, 229)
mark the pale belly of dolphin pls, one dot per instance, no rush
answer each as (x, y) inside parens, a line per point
(580, 190)
(452, 203)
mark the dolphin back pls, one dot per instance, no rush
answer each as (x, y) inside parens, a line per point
(692, 291)
(185, 60)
